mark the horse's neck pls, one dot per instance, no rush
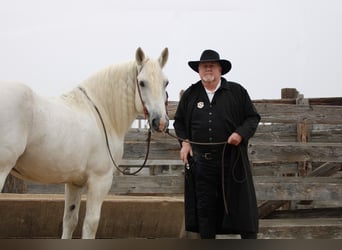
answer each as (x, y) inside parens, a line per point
(113, 90)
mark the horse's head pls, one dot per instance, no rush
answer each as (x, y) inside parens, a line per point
(151, 92)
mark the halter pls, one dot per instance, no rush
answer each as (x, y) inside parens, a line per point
(146, 114)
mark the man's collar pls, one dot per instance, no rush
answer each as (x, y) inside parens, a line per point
(224, 83)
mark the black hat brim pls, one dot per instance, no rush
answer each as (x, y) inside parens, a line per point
(225, 65)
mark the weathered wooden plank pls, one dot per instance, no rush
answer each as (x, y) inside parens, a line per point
(275, 132)
(316, 228)
(330, 212)
(291, 169)
(274, 169)
(147, 185)
(287, 113)
(298, 188)
(295, 152)
(334, 101)
(276, 101)
(258, 151)
(326, 133)
(267, 188)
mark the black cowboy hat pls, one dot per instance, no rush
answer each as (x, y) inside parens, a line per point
(211, 56)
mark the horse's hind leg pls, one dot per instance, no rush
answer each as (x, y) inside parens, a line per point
(72, 204)
(98, 188)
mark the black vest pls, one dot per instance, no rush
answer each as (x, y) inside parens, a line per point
(208, 121)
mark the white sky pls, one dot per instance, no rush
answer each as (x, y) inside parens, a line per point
(272, 44)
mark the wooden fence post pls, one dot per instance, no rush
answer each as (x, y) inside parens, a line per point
(303, 128)
(289, 93)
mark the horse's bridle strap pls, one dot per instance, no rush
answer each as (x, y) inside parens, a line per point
(140, 95)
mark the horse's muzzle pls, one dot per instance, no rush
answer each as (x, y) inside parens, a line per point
(160, 124)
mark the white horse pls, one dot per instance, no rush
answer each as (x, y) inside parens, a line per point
(62, 140)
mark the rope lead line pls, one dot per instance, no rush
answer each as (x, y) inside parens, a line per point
(224, 143)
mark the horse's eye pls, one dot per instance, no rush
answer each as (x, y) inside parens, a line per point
(142, 84)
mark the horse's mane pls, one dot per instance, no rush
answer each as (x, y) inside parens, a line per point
(113, 92)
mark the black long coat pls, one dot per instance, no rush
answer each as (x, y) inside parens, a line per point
(241, 117)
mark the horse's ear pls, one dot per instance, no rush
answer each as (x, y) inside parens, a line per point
(139, 56)
(163, 57)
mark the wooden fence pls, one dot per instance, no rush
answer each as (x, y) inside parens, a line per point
(296, 158)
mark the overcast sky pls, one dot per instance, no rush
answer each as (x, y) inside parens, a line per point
(272, 44)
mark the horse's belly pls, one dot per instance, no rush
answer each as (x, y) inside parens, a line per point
(44, 170)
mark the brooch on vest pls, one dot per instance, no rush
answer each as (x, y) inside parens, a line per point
(200, 105)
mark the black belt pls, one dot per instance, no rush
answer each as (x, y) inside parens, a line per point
(208, 155)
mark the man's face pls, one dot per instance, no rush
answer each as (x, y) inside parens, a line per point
(209, 71)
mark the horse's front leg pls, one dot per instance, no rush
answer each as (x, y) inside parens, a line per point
(98, 188)
(71, 209)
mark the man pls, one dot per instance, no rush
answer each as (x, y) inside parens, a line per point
(215, 119)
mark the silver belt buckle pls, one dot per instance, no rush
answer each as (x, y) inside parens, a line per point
(208, 156)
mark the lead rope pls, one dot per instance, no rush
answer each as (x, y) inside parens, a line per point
(224, 143)
(107, 142)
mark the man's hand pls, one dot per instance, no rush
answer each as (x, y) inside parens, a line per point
(185, 150)
(234, 139)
